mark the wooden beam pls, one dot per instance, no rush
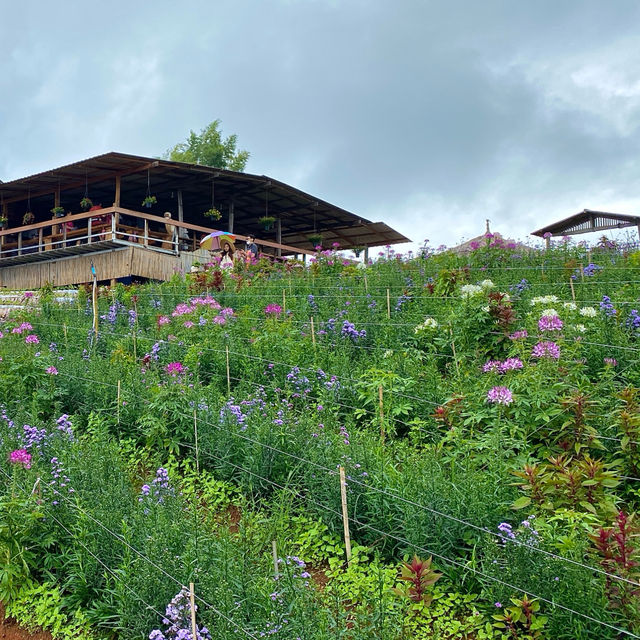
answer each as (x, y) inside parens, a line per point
(116, 201)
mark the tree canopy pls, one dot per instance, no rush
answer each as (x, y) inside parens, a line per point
(210, 149)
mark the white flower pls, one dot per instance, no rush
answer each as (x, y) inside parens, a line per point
(486, 309)
(549, 312)
(388, 353)
(544, 300)
(571, 306)
(429, 323)
(588, 312)
(580, 328)
(468, 290)
(487, 284)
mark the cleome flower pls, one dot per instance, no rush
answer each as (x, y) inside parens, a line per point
(499, 395)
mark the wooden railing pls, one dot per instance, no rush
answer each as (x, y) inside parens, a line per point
(107, 225)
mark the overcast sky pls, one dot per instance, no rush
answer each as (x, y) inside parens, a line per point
(430, 116)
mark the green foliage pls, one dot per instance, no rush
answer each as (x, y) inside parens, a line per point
(41, 606)
(521, 620)
(209, 148)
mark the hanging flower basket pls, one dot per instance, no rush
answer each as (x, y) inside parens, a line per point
(267, 222)
(149, 201)
(86, 204)
(3, 222)
(357, 251)
(58, 212)
(28, 218)
(315, 240)
(212, 213)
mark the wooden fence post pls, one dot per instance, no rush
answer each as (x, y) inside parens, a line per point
(313, 334)
(345, 515)
(192, 600)
(388, 305)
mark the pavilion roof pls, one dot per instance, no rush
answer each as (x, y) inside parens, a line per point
(588, 221)
(253, 196)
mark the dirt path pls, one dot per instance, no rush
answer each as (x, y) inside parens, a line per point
(9, 630)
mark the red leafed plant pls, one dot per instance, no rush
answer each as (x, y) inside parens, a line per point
(419, 577)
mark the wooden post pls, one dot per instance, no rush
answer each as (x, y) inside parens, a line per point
(113, 225)
(116, 200)
(573, 291)
(40, 234)
(118, 402)
(388, 305)
(231, 216)
(345, 515)
(94, 297)
(192, 600)
(453, 349)
(146, 233)
(20, 243)
(313, 334)
(366, 286)
(582, 272)
(181, 209)
(89, 225)
(381, 414)
(284, 302)
(366, 255)
(589, 256)
(274, 551)
(228, 377)
(195, 433)
(279, 236)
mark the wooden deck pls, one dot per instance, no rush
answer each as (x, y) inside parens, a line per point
(60, 252)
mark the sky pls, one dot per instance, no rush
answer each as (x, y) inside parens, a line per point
(429, 116)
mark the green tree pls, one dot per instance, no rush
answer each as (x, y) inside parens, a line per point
(210, 149)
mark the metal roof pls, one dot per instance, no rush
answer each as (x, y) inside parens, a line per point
(302, 215)
(588, 221)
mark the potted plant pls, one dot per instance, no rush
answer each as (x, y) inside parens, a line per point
(212, 213)
(357, 251)
(58, 212)
(149, 201)
(86, 204)
(267, 222)
(28, 218)
(3, 221)
(315, 240)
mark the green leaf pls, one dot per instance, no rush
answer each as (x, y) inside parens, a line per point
(521, 503)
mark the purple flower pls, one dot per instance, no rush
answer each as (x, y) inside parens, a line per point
(32, 338)
(499, 395)
(273, 309)
(52, 370)
(611, 362)
(550, 323)
(174, 368)
(492, 365)
(519, 335)
(546, 349)
(511, 364)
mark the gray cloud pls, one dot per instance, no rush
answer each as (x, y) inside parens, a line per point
(430, 116)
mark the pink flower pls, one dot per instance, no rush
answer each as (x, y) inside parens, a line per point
(500, 395)
(32, 338)
(510, 364)
(220, 320)
(188, 324)
(492, 365)
(174, 368)
(550, 323)
(162, 320)
(273, 309)
(546, 350)
(21, 457)
(28, 294)
(52, 371)
(518, 335)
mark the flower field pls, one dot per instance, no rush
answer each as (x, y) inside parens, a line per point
(484, 410)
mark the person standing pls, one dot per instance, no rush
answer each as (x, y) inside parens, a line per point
(226, 261)
(252, 247)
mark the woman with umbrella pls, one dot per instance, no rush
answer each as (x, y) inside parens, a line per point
(226, 259)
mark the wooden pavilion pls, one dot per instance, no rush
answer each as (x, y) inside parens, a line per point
(587, 221)
(123, 238)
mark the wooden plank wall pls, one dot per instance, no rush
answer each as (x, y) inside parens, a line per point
(116, 263)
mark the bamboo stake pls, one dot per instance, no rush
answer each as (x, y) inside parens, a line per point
(453, 349)
(274, 551)
(195, 433)
(381, 414)
(228, 376)
(284, 302)
(388, 305)
(313, 334)
(118, 401)
(94, 298)
(345, 515)
(192, 600)
(582, 272)
(366, 286)
(573, 291)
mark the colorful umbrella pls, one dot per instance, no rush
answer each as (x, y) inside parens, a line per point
(216, 239)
